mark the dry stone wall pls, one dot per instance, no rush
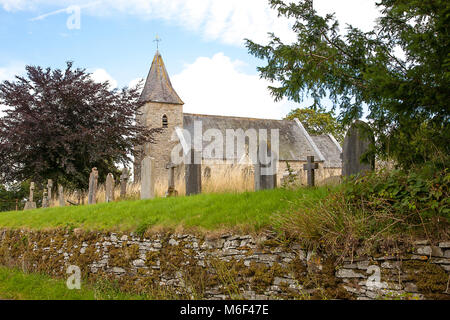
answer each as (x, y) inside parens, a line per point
(230, 266)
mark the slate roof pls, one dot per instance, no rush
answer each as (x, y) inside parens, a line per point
(158, 87)
(330, 150)
(294, 144)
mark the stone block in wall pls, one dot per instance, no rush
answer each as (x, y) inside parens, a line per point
(444, 245)
(430, 251)
(348, 273)
(148, 262)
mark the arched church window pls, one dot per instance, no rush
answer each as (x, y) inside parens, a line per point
(165, 121)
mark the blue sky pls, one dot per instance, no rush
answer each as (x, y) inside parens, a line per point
(202, 44)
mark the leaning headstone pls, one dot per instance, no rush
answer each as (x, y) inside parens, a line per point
(357, 144)
(62, 202)
(30, 204)
(93, 180)
(193, 173)
(123, 183)
(109, 188)
(171, 192)
(148, 178)
(265, 168)
(310, 168)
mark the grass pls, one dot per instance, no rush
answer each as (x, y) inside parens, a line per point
(17, 285)
(250, 211)
(223, 179)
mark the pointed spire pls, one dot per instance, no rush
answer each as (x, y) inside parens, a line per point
(158, 87)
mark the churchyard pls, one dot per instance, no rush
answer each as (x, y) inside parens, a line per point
(124, 194)
(147, 231)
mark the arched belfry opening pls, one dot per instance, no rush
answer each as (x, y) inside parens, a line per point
(165, 121)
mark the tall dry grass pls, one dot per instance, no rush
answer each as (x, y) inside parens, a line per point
(222, 179)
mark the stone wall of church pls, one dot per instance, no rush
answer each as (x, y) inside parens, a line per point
(218, 176)
(152, 117)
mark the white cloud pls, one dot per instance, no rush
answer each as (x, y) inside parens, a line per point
(100, 75)
(217, 86)
(8, 73)
(133, 83)
(11, 70)
(359, 13)
(229, 21)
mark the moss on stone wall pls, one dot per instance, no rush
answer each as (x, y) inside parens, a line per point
(192, 266)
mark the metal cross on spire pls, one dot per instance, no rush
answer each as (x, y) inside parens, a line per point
(157, 40)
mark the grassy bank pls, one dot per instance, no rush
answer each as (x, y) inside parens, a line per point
(250, 211)
(17, 285)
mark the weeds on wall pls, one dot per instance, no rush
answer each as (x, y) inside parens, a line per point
(381, 206)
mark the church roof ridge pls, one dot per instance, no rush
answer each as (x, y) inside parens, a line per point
(231, 117)
(158, 87)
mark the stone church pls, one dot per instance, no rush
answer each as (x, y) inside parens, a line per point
(163, 108)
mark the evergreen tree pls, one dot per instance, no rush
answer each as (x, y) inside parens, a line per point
(400, 70)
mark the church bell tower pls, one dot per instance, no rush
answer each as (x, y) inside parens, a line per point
(162, 108)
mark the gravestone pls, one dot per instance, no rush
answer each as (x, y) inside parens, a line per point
(123, 183)
(49, 190)
(62, 202)
(265, 168)
(193, 173)
(77, 196)
(310, 167)
(30, 204)
(45, 202)
(93, 180)
(357, 143)
(109, 188)
(171, 192)
(148, 178)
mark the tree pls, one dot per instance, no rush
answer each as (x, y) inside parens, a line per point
(15, 194)
(60, 124)
(400, 70)
(318, 122)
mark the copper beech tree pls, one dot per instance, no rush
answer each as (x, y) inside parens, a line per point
(58, 124)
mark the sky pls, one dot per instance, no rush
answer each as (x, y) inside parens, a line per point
(202, 44)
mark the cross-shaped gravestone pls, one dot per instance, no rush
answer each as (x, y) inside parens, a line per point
(310, 167)
(31, 192)
(123, 183)
(30, 204)
(171, 189)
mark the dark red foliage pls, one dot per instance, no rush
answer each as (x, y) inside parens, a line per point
(60, 123)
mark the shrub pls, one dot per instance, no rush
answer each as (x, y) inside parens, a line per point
(420, 193)
(376, 208)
